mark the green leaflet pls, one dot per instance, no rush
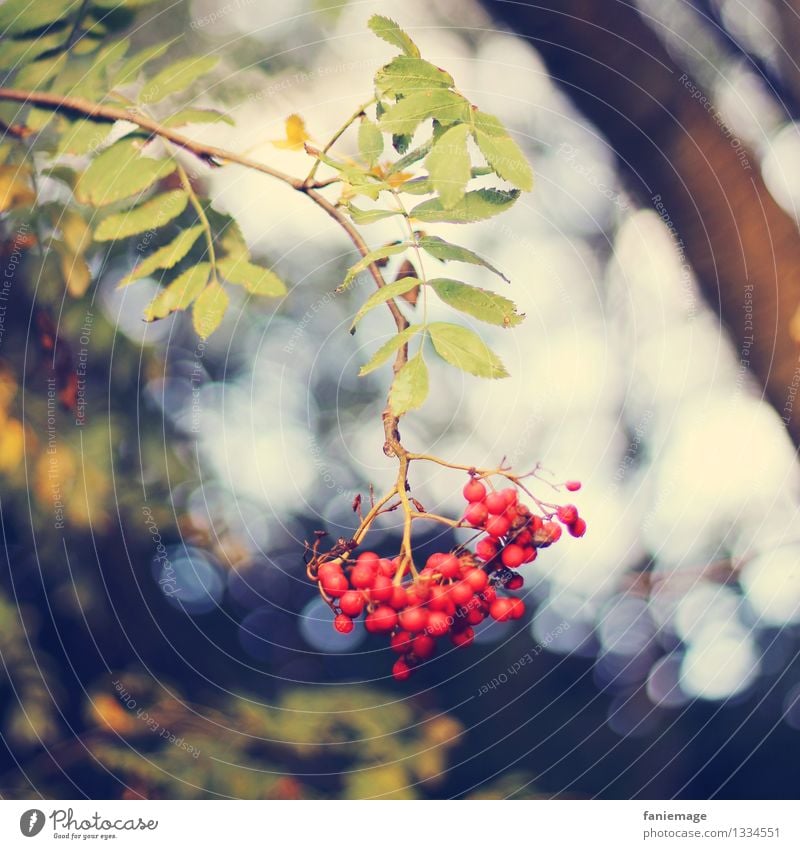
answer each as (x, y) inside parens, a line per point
(385, 293)
(366, 261)
(38, 74)
(209, 309)
(17, 16)
(465, 350)
(165, 257)
(149, 215)
(180, 293)
(449, 166)
(409, 387)
(474, 206)
(388, 348)
(407, 75)
(479, 303)
(197, 116)
(131, 67)
(445, 251)
(501, 151)
(128, 4)
(403, 117)
(119, 172)
(254, 278)
(370, 141)
(388, 30)
(82, 136)
(176, 77)
(370, 216)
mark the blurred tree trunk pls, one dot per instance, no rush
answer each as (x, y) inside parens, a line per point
(678, 157)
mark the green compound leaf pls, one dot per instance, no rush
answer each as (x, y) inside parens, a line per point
(370, 141)
(388, 30)
(410, 386)
(366, 261)
(176, 77)
(386, 350)
(119, 172)
(501, 151)
(385, 293)
(465, 350)
(209, 309)
(82, 136)
(406, 75)
(449, 166)
(149, 215)
(446, 251)
(479, 303)
(180, 293)
(403, 118)
(254, 278)
(166, 257)
(474, 206)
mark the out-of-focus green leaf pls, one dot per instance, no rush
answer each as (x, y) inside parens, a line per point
(180, 293)
(176, 77)
(17, 16)
(166, 257)
(209, 309)
(254, 278)
(370, 141)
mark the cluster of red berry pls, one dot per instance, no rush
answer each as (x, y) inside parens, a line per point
(454, 591)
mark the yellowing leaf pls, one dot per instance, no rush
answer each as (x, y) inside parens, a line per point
(410, 387)
(15, 188)
(180, 293)
(464, 349)
(254, 278)
(75, 272)
(209, 309)
(12, 445)
(296, 134)
(149, 215)
(166, 257)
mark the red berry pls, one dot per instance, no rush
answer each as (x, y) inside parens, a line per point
(399, 598)
(434, 560)
(513, 555)
(328, 569)
(496, 503)
(497, 526)
(382, 588)
(413, 619)
(486, 549)
(400, 642)
(401, 671)
(489, 595)
(362, 576)
(343, 624)
(535, 524)
(423, 646)
(382, 619)
(438, 623)
(552, 532)
(577, 528)
(500, 609)
(567, 514)
(476, 578)
(523, 538)
(335, 584)
(474, 491)
(511, 496)
(440, 600)
(463, 638)
(517, 609)
(461, 592)
(530, 554)
(475, 617)
(386, 567)
(368, 558)
(449, 566)
(515, 582)
(352, 603)
(573, 486)
(476, 514)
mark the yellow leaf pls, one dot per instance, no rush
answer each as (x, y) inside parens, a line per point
(76, 274)
(209, 308)
(15, 190)
(12, 445)
(396, 180)
(107, 711)
(296, 134)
